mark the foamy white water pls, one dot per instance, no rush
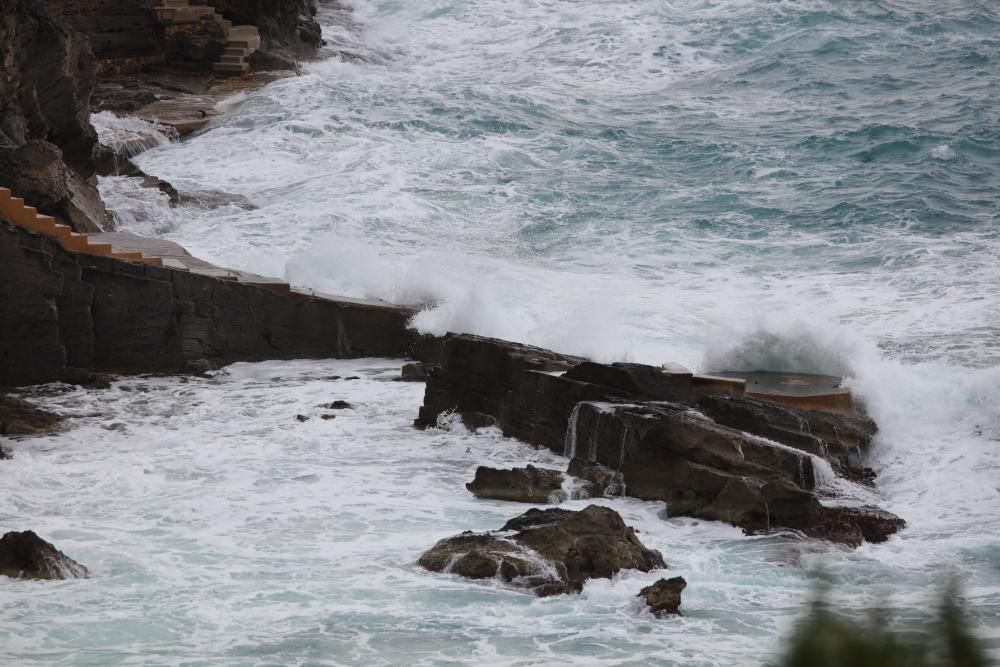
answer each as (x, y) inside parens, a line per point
(725, 184)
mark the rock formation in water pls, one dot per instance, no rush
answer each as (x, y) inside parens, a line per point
(645, 423)
(27, 556)
(523, 485)
(664, 597)
(17, 417)
(548, 551)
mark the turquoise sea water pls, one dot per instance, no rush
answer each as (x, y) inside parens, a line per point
(799, 185)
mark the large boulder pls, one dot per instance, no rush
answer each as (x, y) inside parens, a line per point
(664, 597)
(523, 485)
(546, 551)
(27, 556)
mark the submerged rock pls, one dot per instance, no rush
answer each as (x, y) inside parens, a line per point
(548, 551)
(523, 485)
(337, 405)
(18, 417)
(664, 597)
(27, 556)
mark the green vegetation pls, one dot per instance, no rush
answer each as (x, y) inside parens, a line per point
(827, 639)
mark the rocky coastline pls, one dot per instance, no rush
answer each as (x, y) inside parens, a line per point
(625, 429)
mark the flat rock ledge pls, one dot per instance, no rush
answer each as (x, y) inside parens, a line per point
(649, 433)
(664, 597)
(27, 556)
(548, 552)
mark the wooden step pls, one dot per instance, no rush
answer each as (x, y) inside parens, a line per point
(103, 249)
(127, 256)
(154, 261)
(75, 242)
(62, 232)
(47, 222)
(27, 217)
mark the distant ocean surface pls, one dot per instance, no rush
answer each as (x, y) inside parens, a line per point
(802, 185)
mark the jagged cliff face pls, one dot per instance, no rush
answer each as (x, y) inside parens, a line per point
(116, 29)
(48, 147)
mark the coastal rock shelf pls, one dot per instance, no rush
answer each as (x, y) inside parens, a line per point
(752, 463)
(62, 312)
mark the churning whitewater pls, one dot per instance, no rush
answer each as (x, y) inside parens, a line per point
(804, 186)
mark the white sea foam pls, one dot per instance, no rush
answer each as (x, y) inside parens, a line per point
(627, 181)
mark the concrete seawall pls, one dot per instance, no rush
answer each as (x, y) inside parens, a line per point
(63, 312)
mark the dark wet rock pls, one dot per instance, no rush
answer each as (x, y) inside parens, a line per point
(338, 405)
(546, 551)
(664, 597)
(328, 417)
(752, 465)
(514, 383)
(18, 417)
(845, 525)
(599, 480)
(3, 454)
(27, 556)
(476, 420)
(415, 372)
(523, 485)
(47, 144)
(649, 382)
(302, 418)
(842, 439)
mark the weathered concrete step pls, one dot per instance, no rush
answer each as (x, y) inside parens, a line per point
(175, 3)
(236, 51)
(232, 60)
(229, 68)
(182, 14)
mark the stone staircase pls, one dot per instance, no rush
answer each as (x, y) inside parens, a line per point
(241, 40)
(129, 247)
(14, 209)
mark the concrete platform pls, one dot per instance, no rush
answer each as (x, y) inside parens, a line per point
(798, 390)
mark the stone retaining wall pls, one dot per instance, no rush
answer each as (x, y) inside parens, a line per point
(62, 312)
